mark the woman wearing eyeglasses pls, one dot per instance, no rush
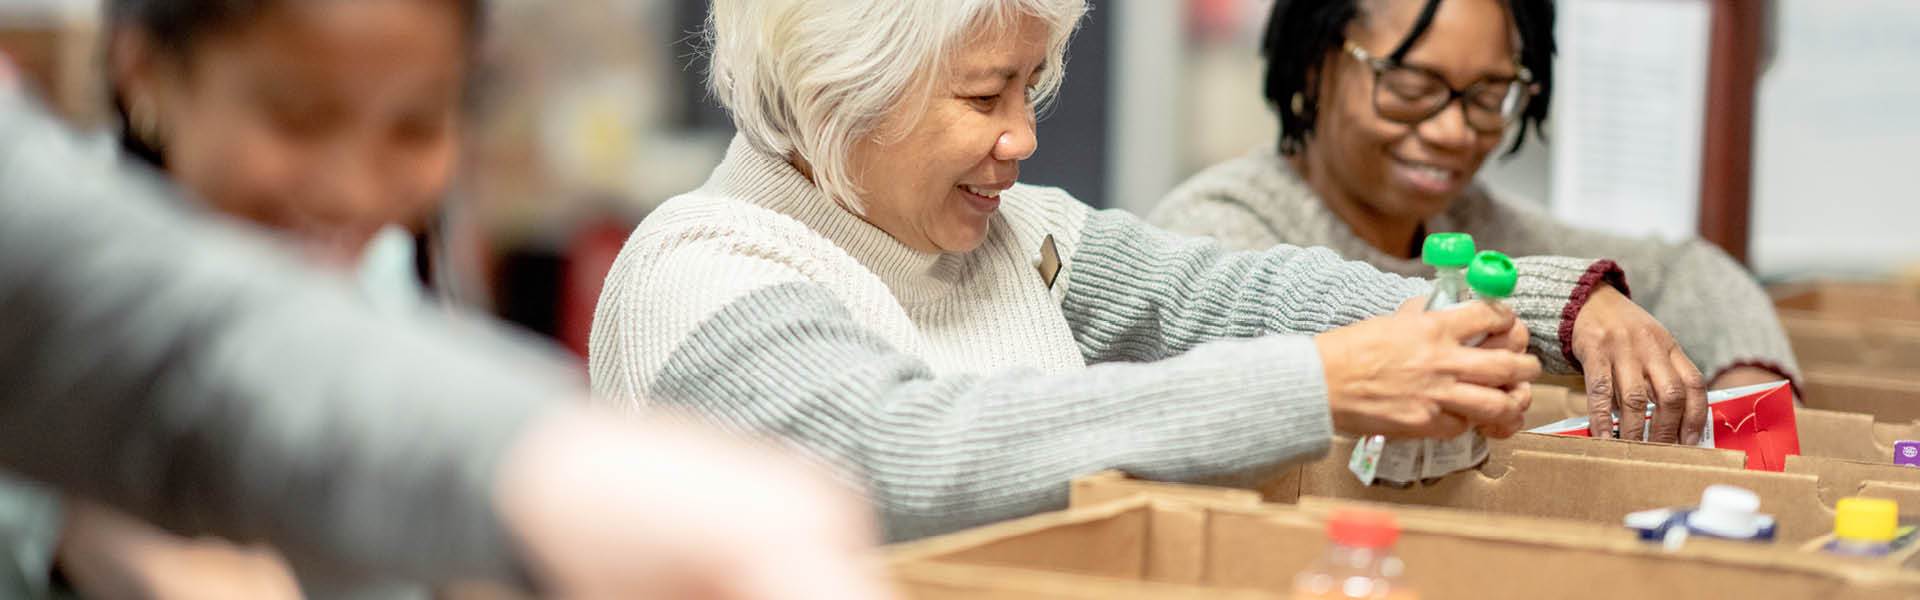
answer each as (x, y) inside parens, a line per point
(1387, 110)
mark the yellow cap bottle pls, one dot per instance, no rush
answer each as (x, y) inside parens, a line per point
(1865, 525)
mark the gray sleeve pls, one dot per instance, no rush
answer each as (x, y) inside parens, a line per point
(945, 452)
(1717, 312)
(1713, 306)
(1138, 293)
(195, 375)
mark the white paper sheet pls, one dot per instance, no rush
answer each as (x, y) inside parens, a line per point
(1629, 103)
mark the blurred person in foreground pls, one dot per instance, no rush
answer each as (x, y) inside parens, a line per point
(864, 274)
(1388, 109)
(194, 374)
(334, 124)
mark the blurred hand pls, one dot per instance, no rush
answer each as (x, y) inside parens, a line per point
(611, 507)
(110, 555)
(1410, 375)
(1630, 361)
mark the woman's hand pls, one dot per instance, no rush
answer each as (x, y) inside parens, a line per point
(1631, 361)
(611, 507)
(1411, 374)
(110, 555)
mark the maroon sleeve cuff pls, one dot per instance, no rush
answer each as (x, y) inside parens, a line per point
(1603, 271)
(1764, 365)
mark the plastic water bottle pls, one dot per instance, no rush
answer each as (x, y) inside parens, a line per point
(1359, 562)
(1399, 463)
(1449, 254)
(1864, 527)
(1492, 277)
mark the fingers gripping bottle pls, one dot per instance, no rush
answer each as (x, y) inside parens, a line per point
(1491, 277)
(1359, 562)
(1397, 462)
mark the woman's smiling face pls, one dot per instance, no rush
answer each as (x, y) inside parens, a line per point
(935, 186)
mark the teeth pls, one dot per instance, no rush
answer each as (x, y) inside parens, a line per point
(1430, 172)
(990, 193)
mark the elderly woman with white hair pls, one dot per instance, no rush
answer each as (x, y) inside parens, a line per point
(863, 276)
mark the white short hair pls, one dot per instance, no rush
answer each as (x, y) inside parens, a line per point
(810, 78)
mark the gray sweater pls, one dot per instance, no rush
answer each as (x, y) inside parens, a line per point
(970, 387)
(1713, 307)
(196, 375)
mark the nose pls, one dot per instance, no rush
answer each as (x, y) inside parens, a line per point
(1449, 130)
(1018, 142)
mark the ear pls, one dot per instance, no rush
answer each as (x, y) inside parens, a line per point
(138, 68)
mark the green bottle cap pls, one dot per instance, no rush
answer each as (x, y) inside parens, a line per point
(1492, 275)
(1447, 250)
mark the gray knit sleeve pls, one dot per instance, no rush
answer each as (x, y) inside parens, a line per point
(199, 377)
(942, 452)
(1138, 293)
(1713, 306)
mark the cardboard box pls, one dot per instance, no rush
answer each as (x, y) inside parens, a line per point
(1598, 481)
(1848, 300)
(1862, 433)
(1851, 436)
(1165, 548)
(1887, 395)
(1859, 344)
(1838, 341)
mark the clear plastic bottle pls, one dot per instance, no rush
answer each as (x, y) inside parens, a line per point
(1359, 562)
(1399, 463)
(1450, 255)
(1864, 526)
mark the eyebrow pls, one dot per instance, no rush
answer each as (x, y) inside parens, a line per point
(1478, 77)
(1000, 73)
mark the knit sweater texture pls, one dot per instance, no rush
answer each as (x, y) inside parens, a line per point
(965, 388)
(1713, 306)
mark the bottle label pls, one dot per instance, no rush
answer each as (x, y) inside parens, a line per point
(1906, 453)
(1365, 462)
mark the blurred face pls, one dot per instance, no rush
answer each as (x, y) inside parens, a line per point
(326, 119)
(936, 187)
(1407, 172)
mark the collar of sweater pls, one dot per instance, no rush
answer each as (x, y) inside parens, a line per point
(769, 181)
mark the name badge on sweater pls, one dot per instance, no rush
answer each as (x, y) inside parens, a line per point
(1048, 261)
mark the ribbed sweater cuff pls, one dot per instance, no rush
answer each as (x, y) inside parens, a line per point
(1552, 292)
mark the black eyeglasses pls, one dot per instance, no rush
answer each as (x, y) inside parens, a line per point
(1410, 95)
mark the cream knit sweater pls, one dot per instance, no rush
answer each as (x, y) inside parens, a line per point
(963, 388)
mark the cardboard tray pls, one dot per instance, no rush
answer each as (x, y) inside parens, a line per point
(1181, 544)
(1600, 481)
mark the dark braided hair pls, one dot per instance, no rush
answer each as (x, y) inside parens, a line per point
(174, 26)
(1301, 34)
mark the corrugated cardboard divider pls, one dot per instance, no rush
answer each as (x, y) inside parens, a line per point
(1582, 479)
(1851, 436)
(1849, 300)
(1186, 543)
(1891, 395)
(1820, 340)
